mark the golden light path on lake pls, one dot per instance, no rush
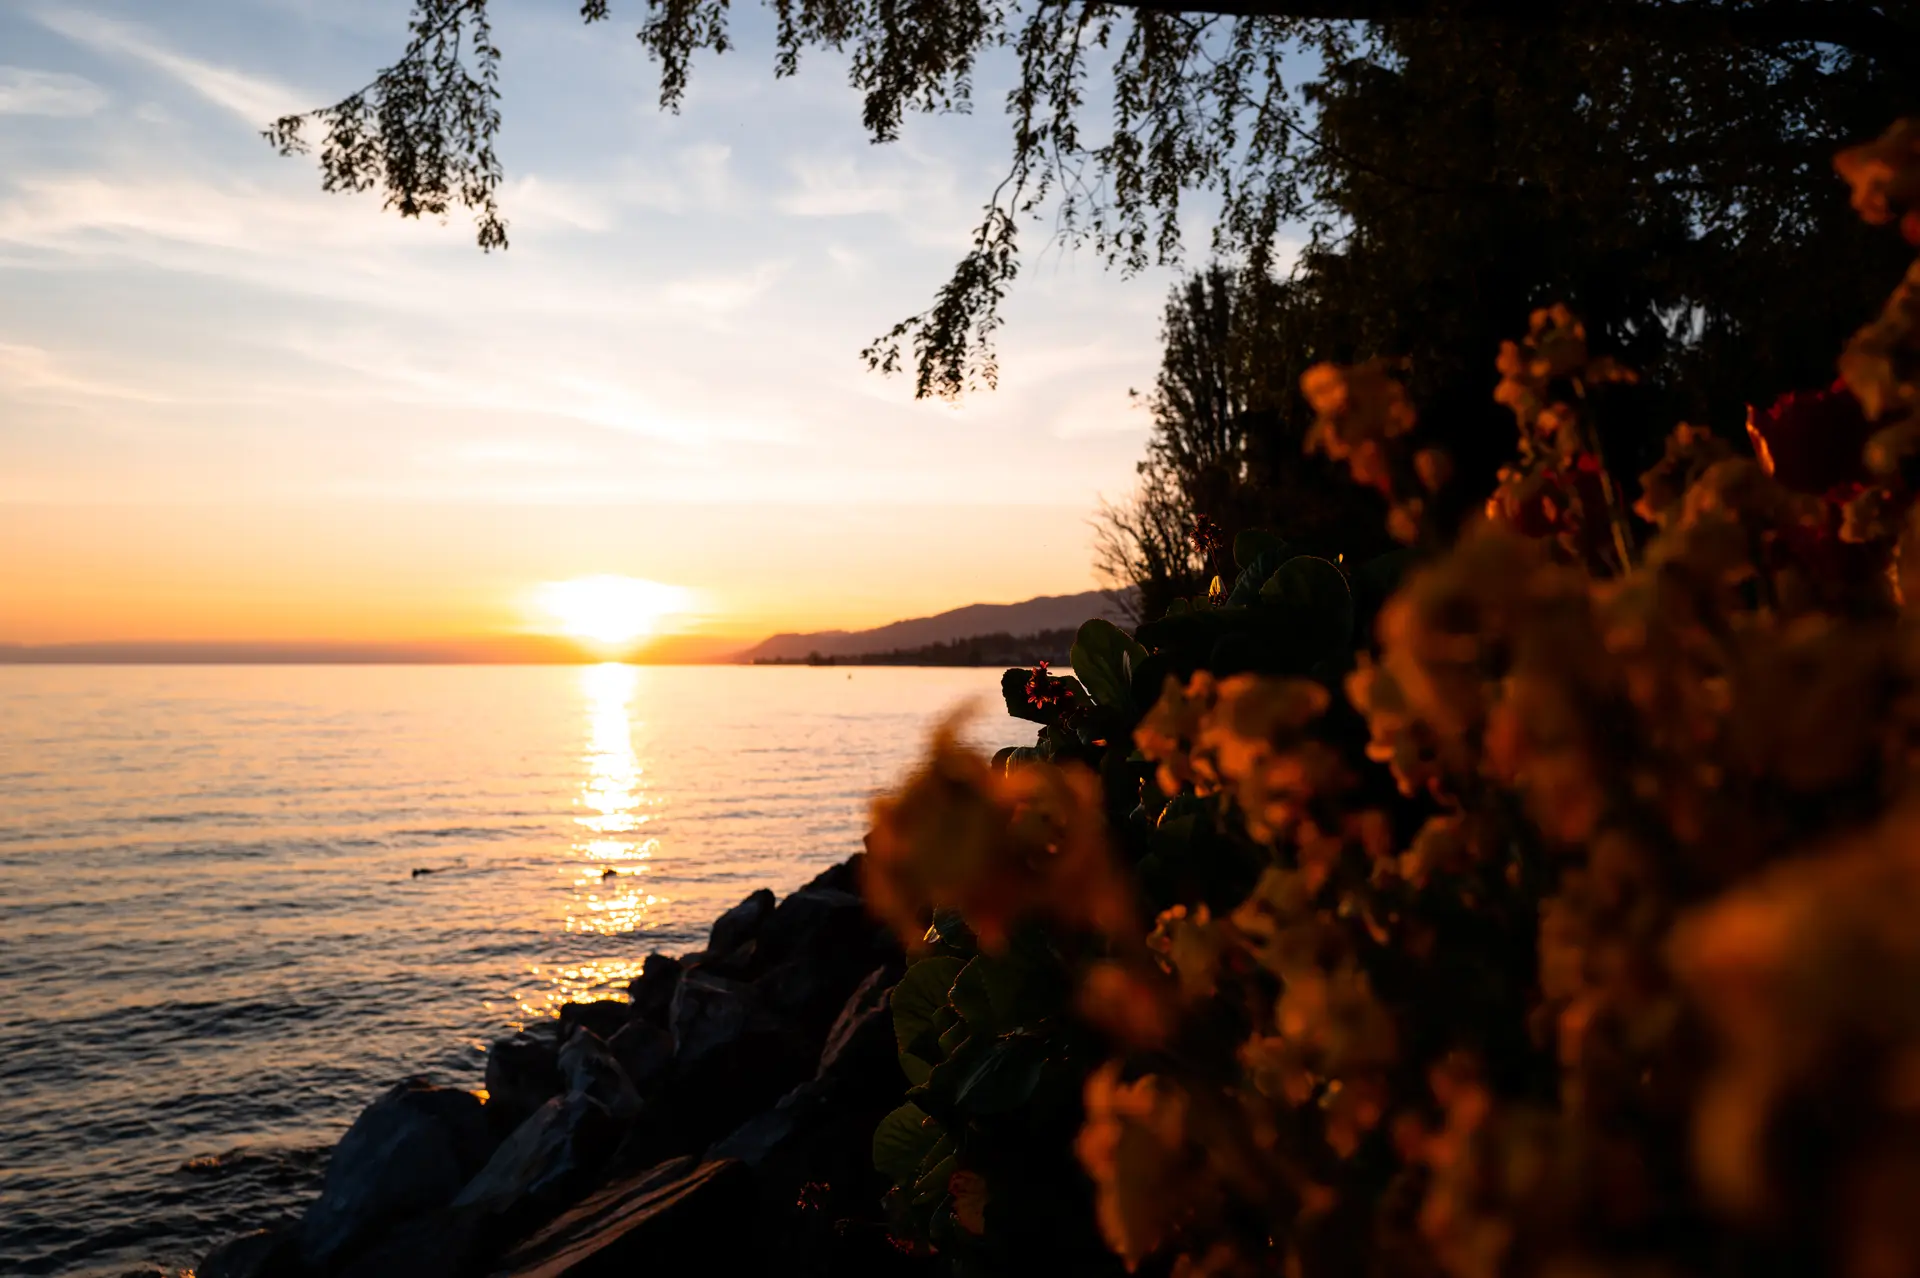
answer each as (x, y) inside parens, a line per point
(608, 870)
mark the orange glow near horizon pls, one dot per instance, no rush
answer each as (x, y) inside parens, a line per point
(397, 573)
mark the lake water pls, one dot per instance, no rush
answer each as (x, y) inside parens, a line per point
(214, 949)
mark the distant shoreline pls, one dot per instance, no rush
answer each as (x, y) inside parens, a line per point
(9, 660)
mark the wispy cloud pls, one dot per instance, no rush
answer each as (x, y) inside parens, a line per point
(36, 373)
(838, 186)
(253, 98)
(24, 91)
(721, 295)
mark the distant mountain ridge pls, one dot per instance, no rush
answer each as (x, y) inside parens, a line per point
(1031, 616)
(992, 633)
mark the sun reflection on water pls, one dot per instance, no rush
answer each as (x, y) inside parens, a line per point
(609, 867)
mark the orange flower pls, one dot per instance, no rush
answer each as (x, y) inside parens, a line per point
(1167, 734)
(1134, 1147)
(1885, 177)
(996, 846)
(1133, 1007)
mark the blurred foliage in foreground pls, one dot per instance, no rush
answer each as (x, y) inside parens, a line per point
(1571, 926)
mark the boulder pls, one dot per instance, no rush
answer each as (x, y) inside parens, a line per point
(815, 920)
(678, 1217)
(844, 877)
(265, 1253)
(523, 1073)
(652, 990)
(860, 1051)
(732, 1056)
(590, 1070)
(545, 1162)
(714, 1016)
(645, 1052)
(604, 1017)
(811, 1154)
(817, 947)
(733, 930)
(444, 1243)
(859, 1071)
(406, 1154)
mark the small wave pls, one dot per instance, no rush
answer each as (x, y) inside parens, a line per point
(294, 1165)
(466, 832)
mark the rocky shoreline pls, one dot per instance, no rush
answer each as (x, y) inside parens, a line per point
(721, 1118)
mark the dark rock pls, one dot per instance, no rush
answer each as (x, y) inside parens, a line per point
(248, 1256)
(523, 1073)
(441, 1244)
(590, 1070)
(741, 924)
(859, 1068)
(818, 946)
(545, 1162)
(265, 1253)
(712, 1016)
(774, 1131)
(844, 877)
(679, 1217)
(733, 1055)
(652, 990)
(811, 1155)
(860, 1049)
(406, 1154)
(813, 920)
(645, 1052)
(603, 1016)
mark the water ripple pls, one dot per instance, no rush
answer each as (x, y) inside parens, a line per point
(216, 948)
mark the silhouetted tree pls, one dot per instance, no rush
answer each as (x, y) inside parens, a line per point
(1661, 165)
(1226, 446)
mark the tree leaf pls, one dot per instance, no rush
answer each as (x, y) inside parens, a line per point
(922, 992)
(1251, 543)
(902, 1141)
(1103, 657)
(987, 993)
(1003, 1077)
(933, 1182)
(954, 1036)
(1319, 605)
(1246, 586)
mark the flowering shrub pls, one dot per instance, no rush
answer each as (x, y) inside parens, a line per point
(1571, 927)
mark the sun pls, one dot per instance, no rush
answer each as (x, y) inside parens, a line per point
(611, 610)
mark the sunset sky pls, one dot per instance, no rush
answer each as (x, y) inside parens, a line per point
(234, 407)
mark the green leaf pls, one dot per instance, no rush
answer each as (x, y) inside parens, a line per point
(933, 1182)
(922, 992)
(987, 993)
(902, 1141)
(956, 1034)
(937, 1094)
(1003, 1077)
(1103, 657)
(1246, 586)
(950, 930)
(914, 1068)
(1254, 542)
(1318, 603)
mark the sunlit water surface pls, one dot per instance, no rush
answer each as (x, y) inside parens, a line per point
(214, 947)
